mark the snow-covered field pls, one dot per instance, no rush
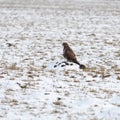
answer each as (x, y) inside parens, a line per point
(34, 85)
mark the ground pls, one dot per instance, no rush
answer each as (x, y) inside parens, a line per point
(35, 84)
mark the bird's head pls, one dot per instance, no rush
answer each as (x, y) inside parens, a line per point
(65, 44)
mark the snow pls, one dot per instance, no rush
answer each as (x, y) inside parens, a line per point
(36, 83)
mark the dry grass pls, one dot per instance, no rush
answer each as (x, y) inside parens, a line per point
(57, 103)
(93, 90)
(118, 77)
(10, 101)
(13, 67)
(76, 80)
(1, 76)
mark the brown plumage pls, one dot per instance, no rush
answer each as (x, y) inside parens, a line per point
(70, 55)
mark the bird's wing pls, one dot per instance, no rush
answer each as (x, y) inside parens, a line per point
(70, 54)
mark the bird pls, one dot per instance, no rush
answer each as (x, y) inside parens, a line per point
(70, 55)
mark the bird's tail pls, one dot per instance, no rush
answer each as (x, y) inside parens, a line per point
(81, 65)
